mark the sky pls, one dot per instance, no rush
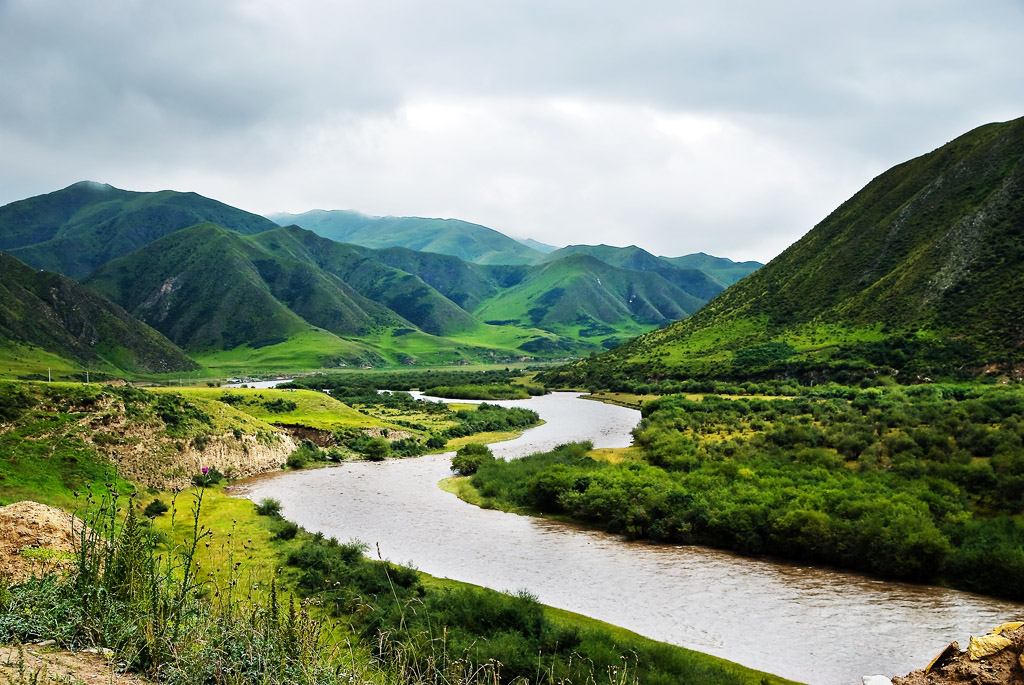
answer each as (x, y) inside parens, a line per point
(729, 127)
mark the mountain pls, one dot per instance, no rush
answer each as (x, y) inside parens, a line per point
(919, 273)
(694, 281)
(725, 270)
(208, 288)
(288, 293)
(471, 242)
(40, 309)
(403, 293)
(580, 295)
(75, 230)
(537, 245)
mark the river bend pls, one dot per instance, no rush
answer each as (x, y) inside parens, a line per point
(811, 624)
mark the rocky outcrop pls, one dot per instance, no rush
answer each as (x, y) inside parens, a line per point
(996, 658)
(165, 463)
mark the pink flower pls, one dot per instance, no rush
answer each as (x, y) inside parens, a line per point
(205, 469)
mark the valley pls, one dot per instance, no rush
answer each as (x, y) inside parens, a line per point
(804, 444)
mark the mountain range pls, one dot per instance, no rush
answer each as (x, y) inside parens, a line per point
(235, 289)
(920, 273)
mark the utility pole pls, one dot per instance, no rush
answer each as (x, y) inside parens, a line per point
(87, 376)
(48, 378)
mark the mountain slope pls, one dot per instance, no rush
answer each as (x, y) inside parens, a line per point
(691, 280)
(725, 270)
(403, 293)
(63, 317)
(920, 272)
(209, 288)
(75, 230)
(582, 295)
(471, 242)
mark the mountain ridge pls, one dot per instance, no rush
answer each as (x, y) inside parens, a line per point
(918, 273)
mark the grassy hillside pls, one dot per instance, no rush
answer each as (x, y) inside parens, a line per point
(693, 281)
(582, 296)
(403, 293)
(471, 242)
(75, 230)
(49, 313)
(919, 274)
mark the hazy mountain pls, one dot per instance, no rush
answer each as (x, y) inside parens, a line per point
(725, 270)
(471, 242)
(75, 230)
(537, 245)
(63, 317)
(921, 271)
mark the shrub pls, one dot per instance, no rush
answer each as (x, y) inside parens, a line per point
(286, 531)
(469, 458)
(268, 506)
(155, 508)
(376, 449)
(209, 476)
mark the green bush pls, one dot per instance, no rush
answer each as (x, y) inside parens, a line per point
(155, 508)
(468, 459)
(268, 506)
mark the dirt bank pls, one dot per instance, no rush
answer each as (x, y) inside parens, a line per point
(35, 539)
(997, 658)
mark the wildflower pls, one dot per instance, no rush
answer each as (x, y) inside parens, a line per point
(205, 470)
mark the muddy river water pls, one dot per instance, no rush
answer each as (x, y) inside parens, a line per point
(811, 624)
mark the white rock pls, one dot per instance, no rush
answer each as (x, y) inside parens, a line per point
(876, 680)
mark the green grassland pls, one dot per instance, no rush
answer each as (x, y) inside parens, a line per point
(311, 409)
(29, 361)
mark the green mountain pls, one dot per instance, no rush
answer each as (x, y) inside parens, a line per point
(694, 281)
(287, 294)
(725, 270)
(403, 293)
(470, 242)
(582, 296)
(919, 273)
(75, 230)
(208, 288)
(40, 310)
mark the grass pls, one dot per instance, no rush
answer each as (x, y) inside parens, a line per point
(308, 350)
(25, 361)
(314, 409)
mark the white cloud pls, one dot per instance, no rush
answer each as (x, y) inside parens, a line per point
(678, 126)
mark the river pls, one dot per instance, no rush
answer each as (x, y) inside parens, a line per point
(811, 624)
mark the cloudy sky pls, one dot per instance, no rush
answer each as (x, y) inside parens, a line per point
(725, 127)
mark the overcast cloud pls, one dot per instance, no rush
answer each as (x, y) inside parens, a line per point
(729, 128)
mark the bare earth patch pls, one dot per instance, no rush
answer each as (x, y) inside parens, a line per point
(35, 538)
(88, 667)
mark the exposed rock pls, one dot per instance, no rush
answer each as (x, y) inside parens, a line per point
(996, 658)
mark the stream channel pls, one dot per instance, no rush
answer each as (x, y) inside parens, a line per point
(807, 623)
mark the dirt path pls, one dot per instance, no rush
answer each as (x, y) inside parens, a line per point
(35, 663)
